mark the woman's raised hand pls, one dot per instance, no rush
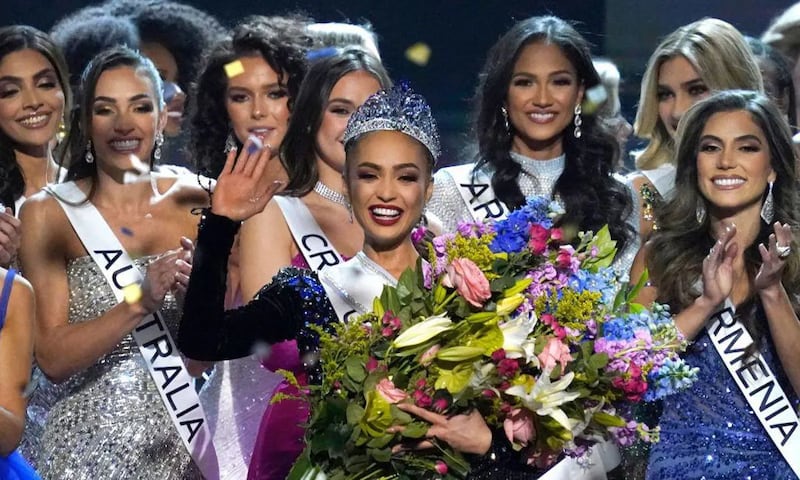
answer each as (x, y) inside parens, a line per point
(773, 257)
(718, 268)
(241, 190)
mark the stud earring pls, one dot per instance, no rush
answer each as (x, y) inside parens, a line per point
(578, 121)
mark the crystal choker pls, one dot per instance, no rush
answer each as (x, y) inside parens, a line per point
(328, 193)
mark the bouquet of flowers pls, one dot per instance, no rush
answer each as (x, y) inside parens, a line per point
(506, 318)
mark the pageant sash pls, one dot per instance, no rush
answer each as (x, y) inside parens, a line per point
(603, 457)
(156, 345)
(757, 383)
(476, 191)
(309, 237)
(353, 285)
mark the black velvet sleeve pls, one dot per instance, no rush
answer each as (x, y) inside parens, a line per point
(209, 332)
(501, 462)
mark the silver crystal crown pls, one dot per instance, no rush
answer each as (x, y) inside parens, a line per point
(399, 109)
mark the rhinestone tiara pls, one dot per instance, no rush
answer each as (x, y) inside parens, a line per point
(399, 109)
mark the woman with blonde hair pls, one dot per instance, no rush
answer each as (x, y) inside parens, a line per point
(688, 65)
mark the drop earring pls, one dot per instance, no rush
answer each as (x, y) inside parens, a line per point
(700, 212)
(159, 143)
(89, 157)
(768, 208)
(230, 143)
(578, 121)
(504, 113)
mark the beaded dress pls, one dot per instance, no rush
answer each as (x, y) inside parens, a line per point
(107, 421)
(709, 430)
(538, 178)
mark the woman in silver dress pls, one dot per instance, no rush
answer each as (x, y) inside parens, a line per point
(100, 414)
(533, 139)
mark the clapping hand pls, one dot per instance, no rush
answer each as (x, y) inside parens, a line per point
(9, 236)
(183, 268)
(773, 258)
(160, 279)
(718, 268)
(241, 190)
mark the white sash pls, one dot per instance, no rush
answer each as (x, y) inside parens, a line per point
(309, 237)
(352, 288)
(476, 191)
(757, 383)
(156, 346)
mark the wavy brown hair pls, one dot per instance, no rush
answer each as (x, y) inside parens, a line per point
(678, 247)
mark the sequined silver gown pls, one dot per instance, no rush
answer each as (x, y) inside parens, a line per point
(537, 179)
(108, 421)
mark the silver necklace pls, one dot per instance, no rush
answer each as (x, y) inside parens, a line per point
(330, 194)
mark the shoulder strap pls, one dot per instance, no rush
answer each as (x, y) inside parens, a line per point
(156, 345)
(475, 188)
(757, 383)
(6, 295)
(309, 237)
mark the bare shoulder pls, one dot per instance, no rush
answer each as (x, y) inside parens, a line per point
(184, 189)
(42, 209)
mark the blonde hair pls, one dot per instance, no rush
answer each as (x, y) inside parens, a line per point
(719, 54)
(784, 33)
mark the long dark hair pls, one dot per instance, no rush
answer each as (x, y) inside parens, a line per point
(586, 181)
(281, 41)
(678, 247)
(298, 150)
(81, 118)
(15, 38)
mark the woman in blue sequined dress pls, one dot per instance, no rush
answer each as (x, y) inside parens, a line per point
(726, 238)
(16, 358)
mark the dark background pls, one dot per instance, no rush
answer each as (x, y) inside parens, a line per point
(459, 34)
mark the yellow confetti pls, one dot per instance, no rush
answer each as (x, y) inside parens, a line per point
(132, 293)
(234, 68)
(419, 54)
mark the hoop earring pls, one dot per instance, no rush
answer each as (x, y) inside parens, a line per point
(504, 113)
(578, 121)
(230, 143)
(159, 143)
(89, 157)
(768, 208)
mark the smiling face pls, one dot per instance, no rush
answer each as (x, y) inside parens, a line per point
(679, 87)
(541, 100)
(733, 163)
(389, 181)
(349, 93)
(31, 100)
(257, 103)
(124, 117)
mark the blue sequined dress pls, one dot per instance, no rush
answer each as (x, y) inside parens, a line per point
(709, 431)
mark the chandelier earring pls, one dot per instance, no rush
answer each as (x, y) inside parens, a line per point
(89, 157)
(62, 131)
(768, 208)
(230, 143)
(159, 143)
(578, 121)
(504, 113)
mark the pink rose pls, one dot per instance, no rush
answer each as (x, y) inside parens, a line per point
(519, 426)
(554, 352)
(539, 238)
(463, 275)
(440, 467)
(389, 392)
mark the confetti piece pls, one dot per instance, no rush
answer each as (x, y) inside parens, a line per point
(419, 54)
(262, 350)
(169, 90)
(127, 231)
(594, 99)
(255, 145)
(132, 293)
(234, 68)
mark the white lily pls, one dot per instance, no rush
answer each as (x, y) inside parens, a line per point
(423, 331)
(545, 398)
(515, 336)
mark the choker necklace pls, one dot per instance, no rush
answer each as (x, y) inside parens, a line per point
(328, 193)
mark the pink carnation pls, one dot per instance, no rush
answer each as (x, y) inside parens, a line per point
(554, 352)
(389, 392)
(463, 275)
